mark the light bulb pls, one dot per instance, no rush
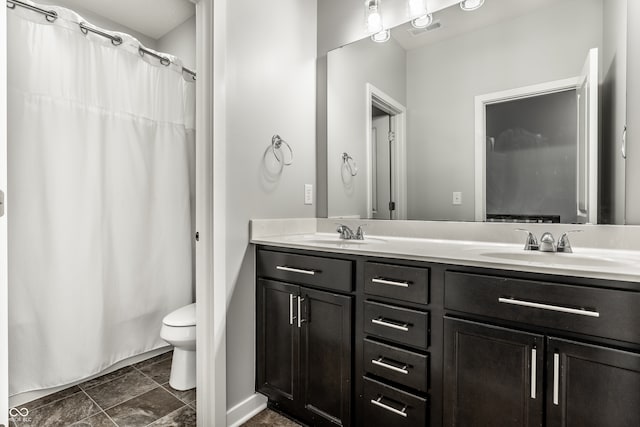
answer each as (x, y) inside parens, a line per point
(422, 21)
(381, 37)
(468, 5)
(374, 19)
(417, 8)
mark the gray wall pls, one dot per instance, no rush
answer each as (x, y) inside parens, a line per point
(270, 88)
(349, 70)
(444, 78)
(633, 115)
(181, 42)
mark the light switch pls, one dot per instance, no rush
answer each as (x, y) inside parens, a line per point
(308, 194)
(457, 198)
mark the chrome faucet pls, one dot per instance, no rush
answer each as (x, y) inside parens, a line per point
(547, 242)
(347, 234)
(531, 244)
(563, 243)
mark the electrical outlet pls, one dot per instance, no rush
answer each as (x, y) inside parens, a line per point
(308, 194)
(457, 198)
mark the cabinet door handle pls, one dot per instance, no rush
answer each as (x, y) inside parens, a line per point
(534, 364)
(300, 319)
(556, 378)
(380, 321)
(295, 270)
(380, 362)
(382, 281)
(378, 402)
(581, 312)
(291, 297)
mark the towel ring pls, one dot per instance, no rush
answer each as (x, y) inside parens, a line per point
(350, 164)
(276, 144)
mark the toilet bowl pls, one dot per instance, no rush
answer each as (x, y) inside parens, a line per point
(179, 330)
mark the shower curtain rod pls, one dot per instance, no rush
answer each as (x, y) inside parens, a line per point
(52, 15)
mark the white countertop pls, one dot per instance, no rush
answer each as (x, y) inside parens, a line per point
(610, 264)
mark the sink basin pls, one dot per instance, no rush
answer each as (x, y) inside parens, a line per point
(335, 240)
(552, 258)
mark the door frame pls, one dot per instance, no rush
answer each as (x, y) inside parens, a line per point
(398, 113)
(481, 102)
(210, 214)
(4, 297)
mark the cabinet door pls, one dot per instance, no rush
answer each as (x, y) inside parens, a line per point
(591, 386)
(277, 342)
(493, 376)
(325, 350)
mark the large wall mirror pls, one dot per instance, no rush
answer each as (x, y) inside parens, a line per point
(512, 112)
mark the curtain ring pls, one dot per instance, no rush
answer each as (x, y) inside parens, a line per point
(276, 144)
(165, 61)
(51, 15)
(10, 4)
(351, 164)
(116, 41)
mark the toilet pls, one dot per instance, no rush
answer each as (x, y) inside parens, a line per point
(179, 330)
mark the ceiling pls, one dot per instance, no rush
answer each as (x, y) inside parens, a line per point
(153, 18)
(454, 21)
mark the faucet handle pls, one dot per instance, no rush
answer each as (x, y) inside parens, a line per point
(531, 244)
(360, 232)
(563, 243)
(345, 232)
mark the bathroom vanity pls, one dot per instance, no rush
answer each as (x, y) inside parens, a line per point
(357, 334)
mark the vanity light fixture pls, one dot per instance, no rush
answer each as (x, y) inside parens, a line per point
(422, 21)
(469, 5)
(373, 16)
(381, 36)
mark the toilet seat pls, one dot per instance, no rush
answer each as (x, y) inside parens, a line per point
(184, 316)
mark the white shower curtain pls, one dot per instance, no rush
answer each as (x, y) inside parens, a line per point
(101, 148)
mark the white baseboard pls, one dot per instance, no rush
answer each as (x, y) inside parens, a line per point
(245, 410)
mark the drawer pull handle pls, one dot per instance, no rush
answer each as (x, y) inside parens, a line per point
(534, 363)
(291, 297)
(378, 402)
(380, 362)
(380, 321)
(559, 308)
(556, 379)
(295, 270)
(382, 281)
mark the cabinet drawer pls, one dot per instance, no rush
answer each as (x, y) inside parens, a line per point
(386, 406)
(311, 270)
(401, 366)
(606, 313)
(399, 324)
(399, 282)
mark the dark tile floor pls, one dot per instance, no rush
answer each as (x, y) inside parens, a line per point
(134, 396)
(271, 419)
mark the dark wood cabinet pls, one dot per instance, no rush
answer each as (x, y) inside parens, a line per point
(278, 343)
(591, 386)
(304, 344)
(357, 341)
(493, 375)
(325, 353)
